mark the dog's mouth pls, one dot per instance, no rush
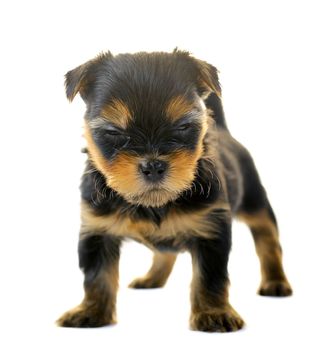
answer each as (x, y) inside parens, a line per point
(154, 196)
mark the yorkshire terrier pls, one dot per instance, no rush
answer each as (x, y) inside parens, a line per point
(164, 170)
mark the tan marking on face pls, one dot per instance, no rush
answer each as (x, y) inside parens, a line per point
(183, 164)
(122, 173)
(97, 158)
(181, 173)
(123, 176)
(118, 113)
(178, 107)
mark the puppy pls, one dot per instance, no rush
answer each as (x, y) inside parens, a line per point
(164, 170)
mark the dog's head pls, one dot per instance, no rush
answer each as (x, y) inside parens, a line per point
(145, 120)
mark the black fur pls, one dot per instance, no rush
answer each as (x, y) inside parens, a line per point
(203, 192)
(225, 181)
(212, 257)
(97, 252)
(214, 103)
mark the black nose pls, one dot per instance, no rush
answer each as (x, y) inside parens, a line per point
(153, 170)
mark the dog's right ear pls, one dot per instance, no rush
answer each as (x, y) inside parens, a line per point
(76, 81)
(81, 78)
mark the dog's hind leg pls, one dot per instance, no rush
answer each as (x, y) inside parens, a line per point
(257, 213)
(265, 233)
(159, 272)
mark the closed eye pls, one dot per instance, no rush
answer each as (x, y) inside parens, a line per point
(113, 132)
(184, 127)
(110, 130)
(116, 136)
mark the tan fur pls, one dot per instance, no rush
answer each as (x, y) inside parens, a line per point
(178, 107)
(200, 300)
(159, 272)
(117, 113)
(98, 307)
(266, 239)
(97, 158)
(122, 174)
(197, 230)
(217, 319)
(176, 224)
(211, 312)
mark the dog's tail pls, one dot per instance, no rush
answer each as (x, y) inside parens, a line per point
(214, 103)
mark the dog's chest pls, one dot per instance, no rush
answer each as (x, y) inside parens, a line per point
(175, 227)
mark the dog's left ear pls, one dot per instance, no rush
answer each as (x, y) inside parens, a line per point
(205, 74)
(207, 79)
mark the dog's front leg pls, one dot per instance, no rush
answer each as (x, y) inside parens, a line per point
(211, 310)
(98, 259)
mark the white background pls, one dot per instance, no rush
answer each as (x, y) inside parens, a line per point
(274, 60)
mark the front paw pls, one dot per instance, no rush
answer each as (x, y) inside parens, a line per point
(85, 317)
(275, 288)
(218, 320)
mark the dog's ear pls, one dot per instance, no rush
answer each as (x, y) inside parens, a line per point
(207, 79)
(205, 74)
(81, 78)
(76, 81)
